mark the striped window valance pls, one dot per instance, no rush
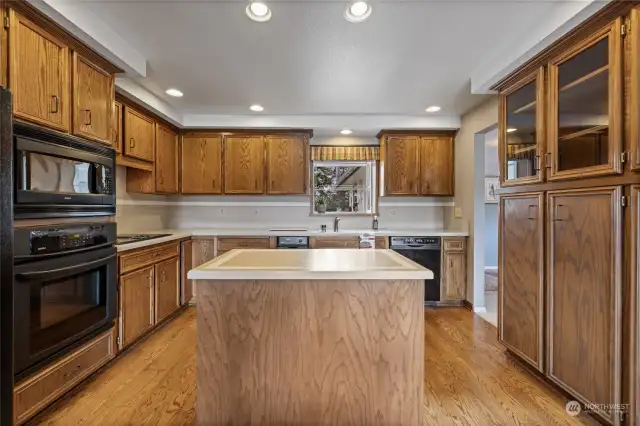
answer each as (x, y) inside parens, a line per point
(345, 153)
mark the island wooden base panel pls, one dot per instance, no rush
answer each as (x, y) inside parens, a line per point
(469, 380)
(297, 351)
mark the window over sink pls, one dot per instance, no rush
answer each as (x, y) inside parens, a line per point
(344, 188)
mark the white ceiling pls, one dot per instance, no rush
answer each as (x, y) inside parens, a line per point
(308, 60)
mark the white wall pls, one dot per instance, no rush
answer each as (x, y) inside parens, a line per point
(469, 191)
(137, 213)
(491, 168)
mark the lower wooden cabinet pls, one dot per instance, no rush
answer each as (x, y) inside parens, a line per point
(584, 294)
(167, 288)
(226, 244)
(334, 242)
(136, 304)
(453, 279)
(521, 291)
(149, 289)
(37, 391)
(186, 264)
(634, 296)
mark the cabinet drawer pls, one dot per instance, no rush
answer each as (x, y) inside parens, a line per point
(139, 259)
(334, 242)
(36, 392)
(226, 244)
(453, 245)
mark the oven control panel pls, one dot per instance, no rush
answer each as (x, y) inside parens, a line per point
(31, 242)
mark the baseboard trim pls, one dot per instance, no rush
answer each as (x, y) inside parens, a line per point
(490, 268)
(468, 305)
(480, 310)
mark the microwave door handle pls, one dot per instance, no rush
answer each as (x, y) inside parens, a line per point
(62, 272)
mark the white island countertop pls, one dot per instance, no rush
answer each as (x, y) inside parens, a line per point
(319, 264)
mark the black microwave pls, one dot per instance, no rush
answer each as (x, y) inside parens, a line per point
(60, 175)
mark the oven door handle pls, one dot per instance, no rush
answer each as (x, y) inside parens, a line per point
(62, 272)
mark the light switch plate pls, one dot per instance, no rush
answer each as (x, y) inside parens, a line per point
(118, 211)
(457, 212)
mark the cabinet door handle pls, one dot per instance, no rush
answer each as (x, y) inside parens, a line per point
(536, 163)
(87, 117)
(56, 104)
(547, 160)
(132, 142)
(557, 213)
(164, 276)
(529, 217)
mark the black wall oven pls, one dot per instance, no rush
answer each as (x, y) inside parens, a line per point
(58, 175)
(65, 290)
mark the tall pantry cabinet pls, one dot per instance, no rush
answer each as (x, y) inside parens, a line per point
(568, 258)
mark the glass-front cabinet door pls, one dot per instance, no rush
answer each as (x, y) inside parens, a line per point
(521, 130)
(585, 107)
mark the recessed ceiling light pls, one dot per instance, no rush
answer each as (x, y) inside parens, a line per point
(357, 11)
(258, 11)
(256, 108)
(346, 131)
(174, 92)
(433, 108)
(511, 129)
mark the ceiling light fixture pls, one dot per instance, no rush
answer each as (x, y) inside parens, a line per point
(346, 131)
(256, 108)
(511, 129)
(258, 11)
(357, 11)
(433, 108)
(174, 92)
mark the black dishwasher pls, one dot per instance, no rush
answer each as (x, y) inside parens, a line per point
(425, 251)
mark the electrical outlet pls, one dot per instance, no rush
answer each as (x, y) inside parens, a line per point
(457, 212)
(118, 211)
(221, 212)
(257, 212)
(392, 212)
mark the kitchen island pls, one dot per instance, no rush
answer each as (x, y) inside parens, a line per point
(323, 337)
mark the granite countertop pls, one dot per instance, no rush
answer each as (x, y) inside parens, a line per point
(320, 264)
(177, 234)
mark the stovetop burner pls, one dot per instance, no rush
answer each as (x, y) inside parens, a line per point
(134, 238)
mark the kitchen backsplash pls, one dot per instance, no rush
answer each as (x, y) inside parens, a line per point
(140, 213)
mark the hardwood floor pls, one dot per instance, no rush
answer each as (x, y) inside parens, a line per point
(470, 380)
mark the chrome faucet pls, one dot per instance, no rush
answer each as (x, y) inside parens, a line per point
(336, 224)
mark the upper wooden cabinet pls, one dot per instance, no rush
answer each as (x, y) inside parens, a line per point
(521, 296)
(39, 74)
(401, 165)
(287, 171)
(93, 98)
(201, 163)
(584, 294)
(244, 168)
(166, 165)
(633, 117)
(436, 165)
(521, 130)
(585, 107)
(117, 128)
(139, 135)
(417, 164)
